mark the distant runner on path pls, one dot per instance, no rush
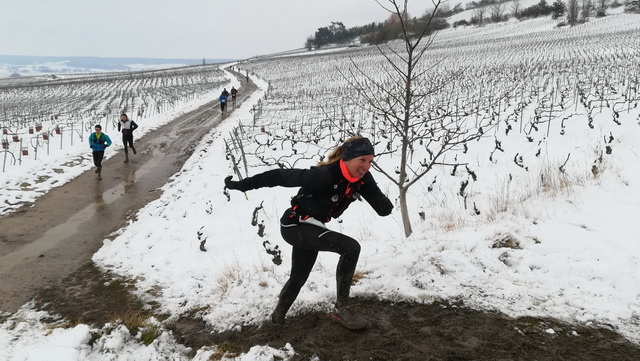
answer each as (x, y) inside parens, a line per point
(234, 93)
(128, 126)
(98, 142)
(223, 99)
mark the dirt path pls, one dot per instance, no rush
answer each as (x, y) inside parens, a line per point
(44, 243)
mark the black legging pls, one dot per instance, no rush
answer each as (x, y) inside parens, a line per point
(127, 138)
(307, 240)
(97, 158)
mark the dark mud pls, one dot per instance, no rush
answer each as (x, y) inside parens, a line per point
(417, 332)
(92, 297)
(399, 331)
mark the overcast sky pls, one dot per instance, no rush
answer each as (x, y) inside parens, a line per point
(174, 28)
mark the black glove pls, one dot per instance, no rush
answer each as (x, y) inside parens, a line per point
(386, 209)
(233, 184)
(383, 206)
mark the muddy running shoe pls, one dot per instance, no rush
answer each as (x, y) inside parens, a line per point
(277, 317)
(134, 150)
(349, 318)
(97, 170)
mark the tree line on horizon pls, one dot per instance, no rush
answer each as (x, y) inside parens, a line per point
(483, 12)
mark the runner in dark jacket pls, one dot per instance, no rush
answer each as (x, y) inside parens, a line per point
(98, 142)
(234, 94)
(223, 99)
(326, 191)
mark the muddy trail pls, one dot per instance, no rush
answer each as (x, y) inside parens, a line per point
(44, 242)
(398, 331)
(419, 332)
(45, 253)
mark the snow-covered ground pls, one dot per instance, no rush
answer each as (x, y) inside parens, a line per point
(567, 249)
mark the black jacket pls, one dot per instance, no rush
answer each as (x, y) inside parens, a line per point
(325, 193)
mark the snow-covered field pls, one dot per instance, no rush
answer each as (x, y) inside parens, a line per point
(557, 195)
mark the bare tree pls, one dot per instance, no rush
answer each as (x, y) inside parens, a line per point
(601, 8)
(443, 9)
(478, 13)
(309, 43)
(516, 6)
(572, 12)
(403, 100)
(632, 6)
(497, 12)
(586, 9)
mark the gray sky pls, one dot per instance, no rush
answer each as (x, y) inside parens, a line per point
(174, 28)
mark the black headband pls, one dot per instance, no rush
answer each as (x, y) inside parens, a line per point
(356, 148)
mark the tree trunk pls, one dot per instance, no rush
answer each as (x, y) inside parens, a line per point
(404, 211)
(406, 222)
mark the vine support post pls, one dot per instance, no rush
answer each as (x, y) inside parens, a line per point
(254, 116)
(35, 147)
(553, 97)
(575, 98)
(20, 153)
(522, 106)
(244, 158)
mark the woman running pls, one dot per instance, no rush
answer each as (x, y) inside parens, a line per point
(127, 126)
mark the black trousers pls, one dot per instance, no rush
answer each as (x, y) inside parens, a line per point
(127, 139)
(307, 240)
(97, 158)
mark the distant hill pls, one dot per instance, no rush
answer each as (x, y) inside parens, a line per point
(20, 65)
